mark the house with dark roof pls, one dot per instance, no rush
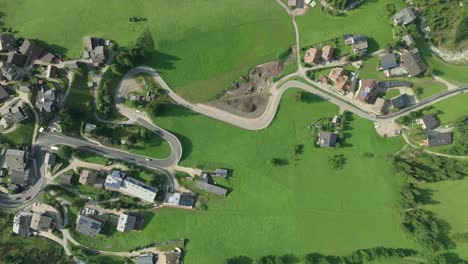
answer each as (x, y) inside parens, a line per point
(149, 258)
(46, 100)
(180, 199)
(17, 59)
(88, 225)
(401, 101)
(31, 50)
(312, 56)
(21, 223)
(404, 17)
(3, 93)
(7, 42)
(428, 122)
(12, 115)
(126, 223)
(40, 221)
(413, 63)
(327, 139)
(50, 159)
(66, 179)
(358, 42)
(368, 90)
(296, 3)
(327, 53)
(51, 71)
(388, 61)
(435, 139)
(9, 71)
(88, 177)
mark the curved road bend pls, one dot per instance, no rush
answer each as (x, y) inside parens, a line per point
(276, 93)
(162, 165)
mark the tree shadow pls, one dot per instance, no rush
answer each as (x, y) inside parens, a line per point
(311, 98)
(239, 260)
(162, 60)
(187, 146)
(174, 110)
(424, 196)
(444, 234)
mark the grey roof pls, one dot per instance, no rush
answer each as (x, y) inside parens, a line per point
(126, 223)
(186, 200)
(66, 179)
(300, 3)
(88, 226)
(439, 139)
(327, 139)
(45, 100)
(408, 39)
(3, 93)
(15, 159)
(360, 44)
(19, 177)
(401, 101)
(145, 259)
(210, 188)
(13, 115)
(21, 223)
(50, 158)
(17, 59)
(7, 42)
(88, 177)
(40, 222)
(9, 71)
(405, 16)
(31, 49)
(98, 55)
(221, 172)
(51, 71)
(413, 63)
(388, 84)
(429, 121)
(388, 61)
(118, 181)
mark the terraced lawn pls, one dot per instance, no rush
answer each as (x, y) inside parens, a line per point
(201, 46)
(303, 207)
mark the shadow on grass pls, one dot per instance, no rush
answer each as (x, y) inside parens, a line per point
(424, 196)
(187, 146)
(162, 60)
(148, 217)
(173, 110)
(310, 98)
(52, 48)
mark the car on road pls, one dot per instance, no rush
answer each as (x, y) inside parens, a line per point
(27, 198)
(17, 198)
(148, 159)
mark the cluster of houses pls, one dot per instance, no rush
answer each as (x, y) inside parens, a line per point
(433, 138)
(314, 55)
(26, 223)
(408, 62)
(139, 98)
(12, 114)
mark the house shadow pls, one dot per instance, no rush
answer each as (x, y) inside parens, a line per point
(52, 48)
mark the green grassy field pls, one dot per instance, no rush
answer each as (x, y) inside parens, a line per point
(392, 93)
(370, 19)
(201, 46)
(299, 208)
(430, 88)
(450, 205)
(22, 135)
(452, 108)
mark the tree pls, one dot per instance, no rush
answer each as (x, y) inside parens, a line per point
(337, 161)
(418, 91)
(143, 45)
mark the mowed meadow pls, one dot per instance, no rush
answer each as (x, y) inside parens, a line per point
(302, 207)
(201, 46)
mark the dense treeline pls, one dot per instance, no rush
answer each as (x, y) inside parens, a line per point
(357, 257)
(430, 168)
(460, 144)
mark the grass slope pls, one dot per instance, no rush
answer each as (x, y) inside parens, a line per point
(274, 210)
(202, 45)
(452, 108)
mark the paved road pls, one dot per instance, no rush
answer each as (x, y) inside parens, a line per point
(49, 139)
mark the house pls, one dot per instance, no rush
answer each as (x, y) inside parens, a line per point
(46, 100)
(368, 90)
(90, 127)
(50, 159)
(119, 181)
(9, 71)
(428, 122)
(296, 3)
(7, 42)
(15, 159)
(3, 93)
(312, 56)
(205, 186)
(323, 79)
(358, 42)
(221, 172)
(335, 73)
(47, 57)
(17, 59)
(21, 223)
(435, 139)
(146, 259)
(19, 178)
(90, 43)
(180, 199)
(66, 179)
(342, 83)
(40, 221)
(327, 139)
(88, 177)
(51, 71)
(408, 40)
(24, 87)
(31, 50)
(169, 257)
(401, 101)
(381, 105)
(88, 225)
(336, 120)
(404, 17)
(135, 97)
(126, 223)
(388, 61)
(98, 55)
(327, 53)
(12, 115)
(413, 63)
